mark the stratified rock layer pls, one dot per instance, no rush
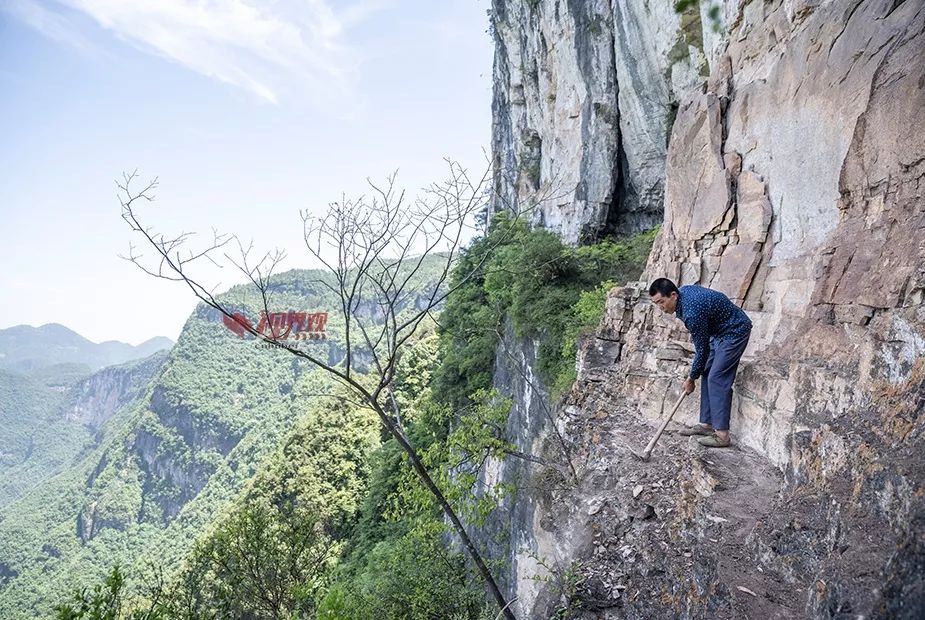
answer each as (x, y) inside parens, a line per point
(793, 182)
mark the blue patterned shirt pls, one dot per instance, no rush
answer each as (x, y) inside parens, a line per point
(709, 314)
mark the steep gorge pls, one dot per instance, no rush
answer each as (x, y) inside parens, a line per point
(177, 436)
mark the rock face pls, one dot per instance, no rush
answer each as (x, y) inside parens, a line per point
(583, 99)
(510, 527)
(792, 181)
(101, 394)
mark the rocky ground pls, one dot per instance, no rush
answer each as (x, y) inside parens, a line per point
(707, 533)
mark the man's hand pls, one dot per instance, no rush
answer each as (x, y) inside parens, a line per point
(688, 385)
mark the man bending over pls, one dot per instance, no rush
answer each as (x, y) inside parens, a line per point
(720, 330)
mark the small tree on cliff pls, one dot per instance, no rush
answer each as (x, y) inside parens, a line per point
(374, 248)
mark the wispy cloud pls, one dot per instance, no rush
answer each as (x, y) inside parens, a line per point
(49, 22)
(266, 47)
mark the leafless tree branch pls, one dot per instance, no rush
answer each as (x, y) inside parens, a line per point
(378, 251)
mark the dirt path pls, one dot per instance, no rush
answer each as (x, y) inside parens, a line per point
(671, 537)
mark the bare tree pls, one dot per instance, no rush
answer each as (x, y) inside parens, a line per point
(375, 251)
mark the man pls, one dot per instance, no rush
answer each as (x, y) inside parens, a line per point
(720, 330)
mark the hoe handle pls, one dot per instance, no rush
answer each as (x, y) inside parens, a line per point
(648, 450)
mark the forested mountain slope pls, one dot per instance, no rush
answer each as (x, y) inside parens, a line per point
(163, 466)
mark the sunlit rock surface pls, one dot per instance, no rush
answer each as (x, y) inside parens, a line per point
(792, 181)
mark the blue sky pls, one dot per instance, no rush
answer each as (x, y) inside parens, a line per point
(246, 110)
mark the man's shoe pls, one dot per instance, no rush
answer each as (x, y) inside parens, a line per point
(713, 441)
(697, 429)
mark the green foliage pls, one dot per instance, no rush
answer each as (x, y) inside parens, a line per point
(269, 554)
(564, 584)
(64, 376)
(397, 562)
(263, 491)
(411, 577)
(272, 555)
(474, 435)
(106, 601)
(36, 440)
(413, 377)
(530, 278)
(470, 320)
(714, 12)
(587, 312)
(324, 463)
(373, 525)
(102, 603)
(262, 562)
(167, 468)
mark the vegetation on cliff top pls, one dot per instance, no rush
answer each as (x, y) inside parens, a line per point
(549, 292)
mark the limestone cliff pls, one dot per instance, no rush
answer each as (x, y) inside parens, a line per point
(99, 396)
(585, 93)
(792, 180)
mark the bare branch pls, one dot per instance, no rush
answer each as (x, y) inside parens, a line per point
(376, 250)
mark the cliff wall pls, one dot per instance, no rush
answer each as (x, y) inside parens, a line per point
(791, 179)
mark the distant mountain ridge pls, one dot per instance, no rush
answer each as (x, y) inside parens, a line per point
(24, 348)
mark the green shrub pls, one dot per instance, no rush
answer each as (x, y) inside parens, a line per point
(587, 313)
(550, 293)
(414, 577)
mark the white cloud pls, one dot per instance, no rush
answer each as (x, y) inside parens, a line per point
(269, 48)
(48, 22)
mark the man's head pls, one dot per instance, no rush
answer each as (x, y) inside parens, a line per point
(664, 294)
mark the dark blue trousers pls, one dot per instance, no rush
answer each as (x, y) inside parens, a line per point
(716, 383)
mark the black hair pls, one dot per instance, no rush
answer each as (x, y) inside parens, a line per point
(662, 286)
